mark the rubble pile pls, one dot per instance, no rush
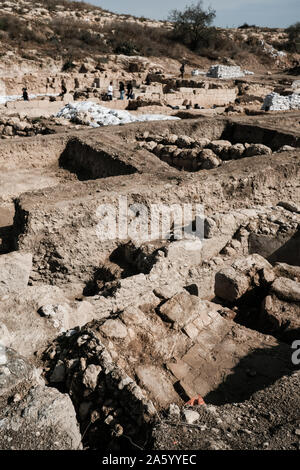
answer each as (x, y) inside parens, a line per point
(270, 50)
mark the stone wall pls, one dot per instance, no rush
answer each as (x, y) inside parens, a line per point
(202, 97)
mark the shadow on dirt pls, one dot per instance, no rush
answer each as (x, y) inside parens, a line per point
(254, 372)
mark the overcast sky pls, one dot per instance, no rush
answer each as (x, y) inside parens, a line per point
(272, 13)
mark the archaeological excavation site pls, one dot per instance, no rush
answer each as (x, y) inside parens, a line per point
(149, 253)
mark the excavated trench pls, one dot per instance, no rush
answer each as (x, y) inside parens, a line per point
(253, 134)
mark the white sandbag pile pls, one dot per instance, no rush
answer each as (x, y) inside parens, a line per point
(225, 71)
(276, 102)
(94, 115)
(5, 98)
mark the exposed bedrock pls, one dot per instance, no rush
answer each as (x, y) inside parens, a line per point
(105, 334)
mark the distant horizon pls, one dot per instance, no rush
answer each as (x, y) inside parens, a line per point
(233, 13)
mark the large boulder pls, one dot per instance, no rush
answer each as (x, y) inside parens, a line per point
(14, 272)
(181, 309)
(156, 381)
(231, 284)
(184, 141)
(202, 142)
(290, 206)
(185, 251)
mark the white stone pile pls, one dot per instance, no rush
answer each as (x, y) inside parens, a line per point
(197, 72)
(276, 102)
(225, 71)
(5, 98)
(294, 101)
(94, 115)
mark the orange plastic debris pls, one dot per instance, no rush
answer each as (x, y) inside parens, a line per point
(196, 401)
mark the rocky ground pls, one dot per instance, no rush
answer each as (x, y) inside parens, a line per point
(266, 422)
